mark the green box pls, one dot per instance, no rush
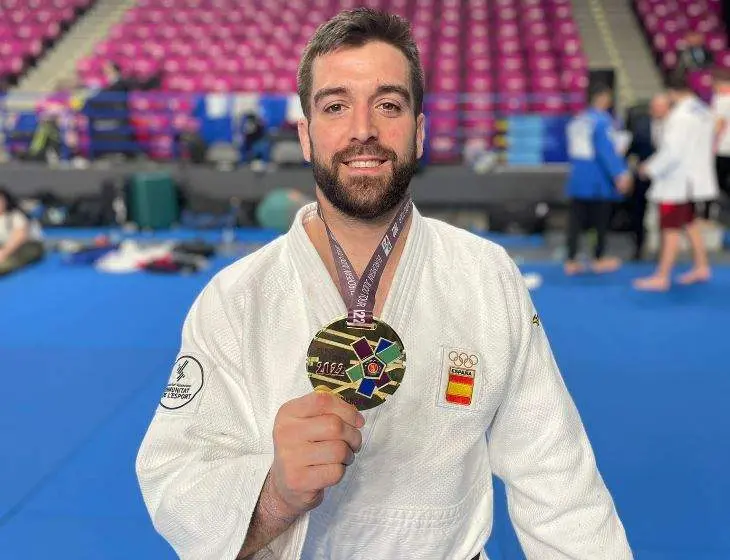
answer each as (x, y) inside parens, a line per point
(153, 200)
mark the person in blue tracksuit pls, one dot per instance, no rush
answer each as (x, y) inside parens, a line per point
(598, 177)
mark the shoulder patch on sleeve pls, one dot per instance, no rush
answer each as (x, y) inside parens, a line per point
(536, 320)
(186, 381)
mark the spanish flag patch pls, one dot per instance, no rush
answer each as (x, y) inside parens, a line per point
(461, 381)
(460, 387)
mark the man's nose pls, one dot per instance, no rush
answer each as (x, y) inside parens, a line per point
(364, 127)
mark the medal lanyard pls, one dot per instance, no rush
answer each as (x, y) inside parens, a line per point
(359, 293)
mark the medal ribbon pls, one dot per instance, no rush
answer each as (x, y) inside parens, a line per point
(359, 293)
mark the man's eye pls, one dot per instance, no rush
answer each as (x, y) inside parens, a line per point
(334, 108)
(390, 107)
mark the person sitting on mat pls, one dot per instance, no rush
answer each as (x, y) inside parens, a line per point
(20, 237)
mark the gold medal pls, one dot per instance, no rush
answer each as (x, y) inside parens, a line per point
(359, 358)
(361, 366)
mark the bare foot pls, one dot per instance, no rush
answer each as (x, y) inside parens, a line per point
(606, 264)
(573, 267)
(694, 276)
(652, 284)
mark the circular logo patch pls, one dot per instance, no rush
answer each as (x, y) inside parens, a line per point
(185, 382)
(361, 366)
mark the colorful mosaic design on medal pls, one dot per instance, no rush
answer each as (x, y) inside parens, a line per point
(362, 366)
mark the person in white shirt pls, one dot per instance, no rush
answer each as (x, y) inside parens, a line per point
(20, 238)
(347, 391)
(682, 173)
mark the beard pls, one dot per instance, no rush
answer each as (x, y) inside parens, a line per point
(365, 198)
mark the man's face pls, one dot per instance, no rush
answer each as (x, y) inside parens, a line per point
(606, 100)
(362, 137)
(694, 39)
(659, 107)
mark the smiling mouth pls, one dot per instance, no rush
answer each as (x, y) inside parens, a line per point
(364, 163)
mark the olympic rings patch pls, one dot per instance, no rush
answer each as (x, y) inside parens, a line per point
(462, 359)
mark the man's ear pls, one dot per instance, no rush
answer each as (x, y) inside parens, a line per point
(304, 140)
(420, 134)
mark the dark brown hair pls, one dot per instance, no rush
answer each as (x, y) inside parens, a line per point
(10, 202)
(677, 81)
(356, 28)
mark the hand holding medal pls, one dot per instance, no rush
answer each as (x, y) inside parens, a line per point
(315, 438)
(360, 358)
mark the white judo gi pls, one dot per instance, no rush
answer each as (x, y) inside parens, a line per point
(683, 168)
(421, 486)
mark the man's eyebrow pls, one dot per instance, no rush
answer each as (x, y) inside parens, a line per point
(395, 88)
(325, 92)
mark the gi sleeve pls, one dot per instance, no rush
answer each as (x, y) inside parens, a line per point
(201, 466)
(606, 154)
(557, 500)
(671, 149)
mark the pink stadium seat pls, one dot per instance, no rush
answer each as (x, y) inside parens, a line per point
(479, 83)
(541, 63)
(701, 82)
(512, 83)
(566, 28)
(723, 59)
(511, 63)
(533, 14)
(509, 46)
(479, 126)
(442, 104)
(479, 64)
(538, 44)
(716, 41)
(548, 103)
(545, 82)
(575, 63)
(571, 46)
(507, 31)
(447, 83)
(513, 104)
(536, 29)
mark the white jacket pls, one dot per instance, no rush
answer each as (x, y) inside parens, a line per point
(683, 168)
(421, 487)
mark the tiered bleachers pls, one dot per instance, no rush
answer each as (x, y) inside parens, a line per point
(666, 22)
(29, 27)
(483, 59)
(499, 58)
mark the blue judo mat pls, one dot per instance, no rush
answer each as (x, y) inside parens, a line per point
(85, 356)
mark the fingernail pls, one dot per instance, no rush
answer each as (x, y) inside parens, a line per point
(360, 420)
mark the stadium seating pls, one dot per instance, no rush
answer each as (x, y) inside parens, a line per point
(666, 22)
(483, 59)
(29, 27)
(516, 57)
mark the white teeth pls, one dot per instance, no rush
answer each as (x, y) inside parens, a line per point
(368, 163)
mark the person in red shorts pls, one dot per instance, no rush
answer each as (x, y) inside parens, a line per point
(678, 172)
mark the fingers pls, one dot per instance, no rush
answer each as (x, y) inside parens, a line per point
(329, 428)
(318, 477)
(327, 453)
(315, 438)
(319, 403)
